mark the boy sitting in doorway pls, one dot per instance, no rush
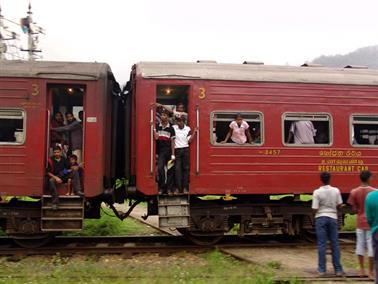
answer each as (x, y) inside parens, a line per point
(74, 167)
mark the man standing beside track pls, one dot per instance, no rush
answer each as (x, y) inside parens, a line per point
(371, 210)
(363, 235)
(325, 202)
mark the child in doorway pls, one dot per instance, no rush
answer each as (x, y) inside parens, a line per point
(75, 173)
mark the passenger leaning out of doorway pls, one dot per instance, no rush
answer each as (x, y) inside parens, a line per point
(238, 131)
(58, 173)
(177, 111)
(74, 128)
(56, 137)
(184, 137)
(165, 139)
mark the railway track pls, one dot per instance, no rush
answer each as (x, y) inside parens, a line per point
(129, 245)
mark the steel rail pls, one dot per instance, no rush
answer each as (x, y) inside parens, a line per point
(148, 244)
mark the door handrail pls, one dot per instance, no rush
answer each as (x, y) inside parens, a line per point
(48, 138)
(198, 142)
(151, 141)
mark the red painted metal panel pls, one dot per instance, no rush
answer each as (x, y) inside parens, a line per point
(259, 170)
(21, 167)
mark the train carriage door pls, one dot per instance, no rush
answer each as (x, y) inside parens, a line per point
(65, 112)
(172, 100)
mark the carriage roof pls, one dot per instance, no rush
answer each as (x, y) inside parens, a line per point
(257, 73)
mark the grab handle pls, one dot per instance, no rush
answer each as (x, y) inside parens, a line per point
(48, 138)
(151, 141)
(198, 142)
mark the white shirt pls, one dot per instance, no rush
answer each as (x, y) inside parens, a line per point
(182, 136)
(325, 199)
(303, 131)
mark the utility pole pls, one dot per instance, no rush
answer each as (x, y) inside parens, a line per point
(5, 35)
(32, 30)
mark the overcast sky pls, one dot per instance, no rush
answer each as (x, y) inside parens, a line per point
(122, 32)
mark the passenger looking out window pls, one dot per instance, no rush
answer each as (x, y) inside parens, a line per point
(364, 130)
(238, 131)
(165, 136)
(307, 129)
(220, 120)
(58, 173)
(183, 138)
(303, 132)
(74, 129)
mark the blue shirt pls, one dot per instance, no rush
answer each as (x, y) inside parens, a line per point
(371, 210)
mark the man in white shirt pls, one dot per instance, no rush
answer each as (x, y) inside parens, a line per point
(183, 138)
(325, 202)
(303, 132)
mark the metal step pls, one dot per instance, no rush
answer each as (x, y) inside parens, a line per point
(68, 217)
(174, 211)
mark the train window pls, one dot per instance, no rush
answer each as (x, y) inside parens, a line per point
(307, 129)
(12, 126)
(364, 130)
(221, 121)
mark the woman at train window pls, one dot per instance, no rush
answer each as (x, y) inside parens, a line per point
(238, 131)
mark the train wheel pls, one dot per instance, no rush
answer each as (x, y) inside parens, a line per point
(201, 240)
(32, 241)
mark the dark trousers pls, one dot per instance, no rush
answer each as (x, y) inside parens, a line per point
(182, 168)
(165, 177)
(76, 185)
(327, 229)
(375, 246)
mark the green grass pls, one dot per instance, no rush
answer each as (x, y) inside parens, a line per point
(303, 197)
(349, 222)
(109, 225)
(212, 267)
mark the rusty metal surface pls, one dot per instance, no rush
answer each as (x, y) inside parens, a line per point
(54, 69)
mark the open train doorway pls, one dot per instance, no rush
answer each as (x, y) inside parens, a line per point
(173, 99)
(171, 105)
(66, 117)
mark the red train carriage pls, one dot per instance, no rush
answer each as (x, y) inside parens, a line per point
(244, 180)
(30, 92)
(340, 103)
